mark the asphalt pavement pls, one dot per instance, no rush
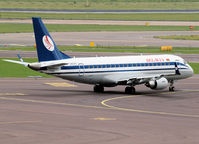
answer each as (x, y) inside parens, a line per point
(104, 38)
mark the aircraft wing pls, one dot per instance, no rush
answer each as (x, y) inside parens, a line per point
(139, 79)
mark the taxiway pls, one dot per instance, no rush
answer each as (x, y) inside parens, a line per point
(48, 111)
(33, 54)
(104, 38)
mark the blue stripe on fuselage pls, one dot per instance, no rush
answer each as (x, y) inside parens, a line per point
(119, 65)
(77, 72)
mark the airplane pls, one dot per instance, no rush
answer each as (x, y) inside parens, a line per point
(154, 71)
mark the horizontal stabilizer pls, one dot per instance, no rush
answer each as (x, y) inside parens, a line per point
(18, 62)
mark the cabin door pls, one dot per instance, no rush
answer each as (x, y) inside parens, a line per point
(81, 69)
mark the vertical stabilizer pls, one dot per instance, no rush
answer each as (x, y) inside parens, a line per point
(46, 47)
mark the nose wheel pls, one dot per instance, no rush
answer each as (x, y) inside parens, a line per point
(130, 90)
(171, 87)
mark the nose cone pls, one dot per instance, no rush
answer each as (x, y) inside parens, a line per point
(190, 71)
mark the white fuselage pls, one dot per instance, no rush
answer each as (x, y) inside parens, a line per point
(108, 71)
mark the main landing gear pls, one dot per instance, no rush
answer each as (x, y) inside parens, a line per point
(171, 87)
(130, 90)
(98, 88)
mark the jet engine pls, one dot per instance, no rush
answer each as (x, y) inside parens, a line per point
(158, 84)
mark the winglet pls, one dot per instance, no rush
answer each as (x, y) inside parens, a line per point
(20, 58)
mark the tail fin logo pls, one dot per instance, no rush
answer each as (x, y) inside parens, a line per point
(48, 43)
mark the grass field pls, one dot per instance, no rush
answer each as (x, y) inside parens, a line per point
(108, 16)
(195, 67)
(97, 4)
(179, 37)
(8, 69)
(97, 1)
(113, 49)
(19, 28)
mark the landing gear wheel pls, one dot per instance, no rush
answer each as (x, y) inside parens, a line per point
(98, 88)
(129, 90)
(172, 88)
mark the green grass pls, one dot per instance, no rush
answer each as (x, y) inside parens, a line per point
(180, 37)
(15, 28)
(19, 28)
(159, 1)
(113, 49)
(8, 69)
(97, 4)
(195, 67)
(108, 16)
(136, 50)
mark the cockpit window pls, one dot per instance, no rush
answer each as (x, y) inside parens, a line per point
(185, 62)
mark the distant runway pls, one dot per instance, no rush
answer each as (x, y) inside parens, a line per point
(100, 11)
(52, 110)
(105, 22)
(32, 54)
(104, 38)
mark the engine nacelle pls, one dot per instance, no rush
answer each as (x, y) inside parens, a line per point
(158, 84)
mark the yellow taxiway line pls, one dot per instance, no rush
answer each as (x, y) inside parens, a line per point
(61, 84)
(104, 119)
(11, 94)
(107, 106)
(19, 122)
(104, 103)
(50, 102)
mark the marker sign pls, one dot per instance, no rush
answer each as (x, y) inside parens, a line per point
(48, 43)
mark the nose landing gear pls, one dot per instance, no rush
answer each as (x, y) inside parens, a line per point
(171, 87)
